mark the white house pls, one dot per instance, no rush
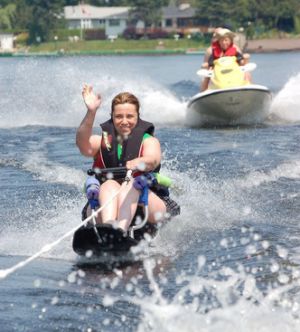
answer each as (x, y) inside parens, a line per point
(6, 42)
(112, 19)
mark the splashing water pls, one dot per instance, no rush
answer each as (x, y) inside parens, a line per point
(53, 98)
(227, 299)
(286, 105)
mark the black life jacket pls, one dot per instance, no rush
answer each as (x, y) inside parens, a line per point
(132, 147)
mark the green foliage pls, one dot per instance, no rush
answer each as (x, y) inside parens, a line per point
(148, 11)
(64, 34)
(45, 16)
(7, 15)
(22, 38)
(266, 15)
(104, 3)
(297, 24)
(4, 3)
(71, 2)
(23, 15)
(257, 17)
(119, 45)
(204, 38)
(94, 34)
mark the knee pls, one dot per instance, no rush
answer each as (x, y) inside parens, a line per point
(109, 185)
(128, 192)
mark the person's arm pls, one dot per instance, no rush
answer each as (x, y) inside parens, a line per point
(207, 55)
(239, 55)
(151, 156)
(87, 143)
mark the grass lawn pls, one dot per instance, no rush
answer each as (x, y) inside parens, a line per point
(118, 45)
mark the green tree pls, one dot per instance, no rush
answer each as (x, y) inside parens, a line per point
(4, 3)
(23, 15)
(71, 2)
(214, 12)
(267, 14)
(45, 15)
(233, 13)
(274, 14)
(148, 11)
(7, 15)
(104, 3)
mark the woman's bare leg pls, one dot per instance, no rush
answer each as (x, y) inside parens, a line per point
(124, 206)
(107, 190)
(127, 205)
(157, 208)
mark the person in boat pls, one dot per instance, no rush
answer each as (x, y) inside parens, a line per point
(222, 45)
(128, 141)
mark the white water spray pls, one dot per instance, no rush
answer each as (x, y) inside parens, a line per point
(54, 98)
(286, 105)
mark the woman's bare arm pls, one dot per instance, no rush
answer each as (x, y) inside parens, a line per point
(87, 143)
(151, 156)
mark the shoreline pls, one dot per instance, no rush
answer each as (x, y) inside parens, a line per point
(272, 45)
(251, 46)
(105, 53)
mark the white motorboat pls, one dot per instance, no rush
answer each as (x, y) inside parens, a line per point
(230, 99)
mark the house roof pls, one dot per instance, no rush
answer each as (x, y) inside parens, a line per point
(183, 11)
(92, 12)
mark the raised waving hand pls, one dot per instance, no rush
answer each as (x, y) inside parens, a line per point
(92, 100)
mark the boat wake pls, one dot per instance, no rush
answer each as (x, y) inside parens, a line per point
(285, 108)
(56, 98)
(287, 170)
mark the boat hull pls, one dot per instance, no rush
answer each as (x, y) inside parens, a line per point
(235, 106)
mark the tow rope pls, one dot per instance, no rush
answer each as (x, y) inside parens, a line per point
(6, 272)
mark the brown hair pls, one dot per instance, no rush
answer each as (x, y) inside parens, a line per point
(124, 98)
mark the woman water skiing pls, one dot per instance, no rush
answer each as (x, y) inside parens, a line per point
(128, 141)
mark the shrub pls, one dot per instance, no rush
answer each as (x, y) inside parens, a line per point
(64, 34)
(22, 38)
(202, 37)
(157, 33)
(149, 33)
(131, 33)
(94, 34)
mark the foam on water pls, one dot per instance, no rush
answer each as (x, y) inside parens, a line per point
(227, 299)
(197, 211)
(205, 206)
(34, 222)
(53, 97)
(288, 170)
(211, 297)
(285, 107)
(51, 172)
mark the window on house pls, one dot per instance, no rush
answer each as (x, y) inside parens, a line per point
(182, 22)
(114, 22)
(86, 24)
(168, 22)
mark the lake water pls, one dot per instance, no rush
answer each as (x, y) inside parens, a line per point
(230, 261)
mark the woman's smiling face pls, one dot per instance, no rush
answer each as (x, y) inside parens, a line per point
(125, 118)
